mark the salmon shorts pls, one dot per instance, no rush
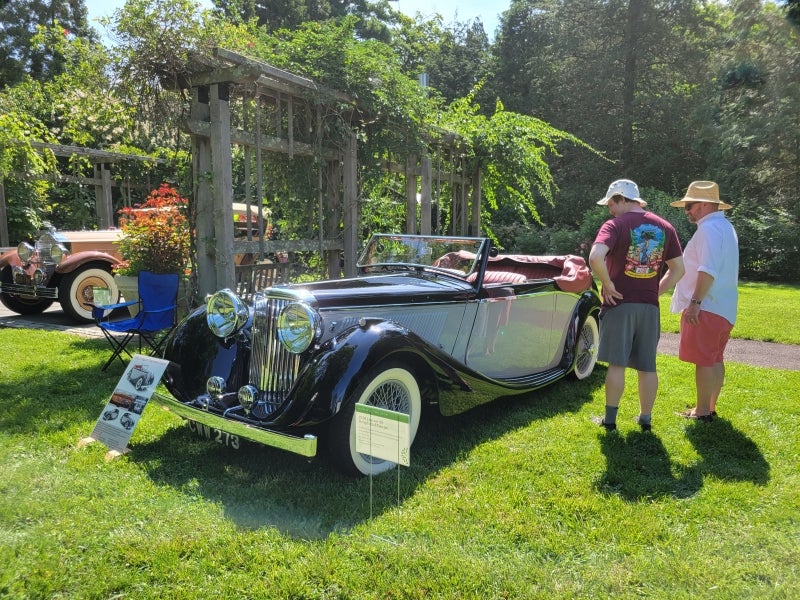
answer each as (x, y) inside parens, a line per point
(704, 343)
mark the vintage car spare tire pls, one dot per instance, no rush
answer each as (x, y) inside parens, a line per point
(390, 386)
(75, 291)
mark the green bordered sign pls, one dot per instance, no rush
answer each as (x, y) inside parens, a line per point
(383, 434)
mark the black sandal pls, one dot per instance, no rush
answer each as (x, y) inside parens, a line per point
(687, 414)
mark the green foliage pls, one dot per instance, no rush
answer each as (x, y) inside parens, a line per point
(21, 21)
(77, 105)
(460, 62)
(23, 168)
(769, 248)
(669, 92)
(155, 42)
(375, 18)
(544, 241)
(513, 150)
(156, 234)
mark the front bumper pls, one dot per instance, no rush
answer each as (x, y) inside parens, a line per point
(36, 291)
(304, 446)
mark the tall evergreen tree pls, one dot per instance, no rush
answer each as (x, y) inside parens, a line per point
(290, 14)
(20, 21)
(461, 60)
(793, 11)
(619, 75)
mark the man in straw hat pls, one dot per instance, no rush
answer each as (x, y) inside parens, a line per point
(707, 296)
(636, 255)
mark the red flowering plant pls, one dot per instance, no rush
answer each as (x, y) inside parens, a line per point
(156, 234)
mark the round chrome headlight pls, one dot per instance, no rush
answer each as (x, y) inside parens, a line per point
(24, 251)
(298, 326)
(215, 386)
(247, 397)
(57, 252)
(226, 313)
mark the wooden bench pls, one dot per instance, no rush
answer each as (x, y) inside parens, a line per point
(259, 276)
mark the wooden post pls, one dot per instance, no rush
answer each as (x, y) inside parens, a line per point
(350, 203)
(203, 208)
(411, 194)
(333, 215)
(477, 177)
(222, 191)
(4, 241)
(425, 196)
(102, 196)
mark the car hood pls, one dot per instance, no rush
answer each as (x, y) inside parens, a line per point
(387, 289)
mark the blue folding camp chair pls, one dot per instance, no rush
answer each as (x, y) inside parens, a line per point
(157, 316)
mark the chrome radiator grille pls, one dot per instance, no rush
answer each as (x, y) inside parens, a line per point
(44, 246)
(45, 252)
(273, 369)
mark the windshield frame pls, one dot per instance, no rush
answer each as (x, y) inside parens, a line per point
(451, 255)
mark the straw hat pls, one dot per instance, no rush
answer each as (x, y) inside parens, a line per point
(622, 187)
(702, 191)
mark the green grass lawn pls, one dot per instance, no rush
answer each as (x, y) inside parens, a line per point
(767, 312)
(523, 498)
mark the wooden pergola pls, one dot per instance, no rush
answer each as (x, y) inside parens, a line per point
(102, 180)
(246, 106)
(238, 101)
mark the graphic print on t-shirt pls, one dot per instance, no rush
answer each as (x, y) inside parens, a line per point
(646, 252)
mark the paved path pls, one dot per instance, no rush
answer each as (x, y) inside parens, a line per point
(53, 318)
(749, 352)
(760, 354)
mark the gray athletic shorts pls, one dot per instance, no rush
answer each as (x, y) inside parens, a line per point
(629, 336)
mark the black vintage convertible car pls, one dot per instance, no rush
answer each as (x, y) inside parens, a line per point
(439, 321)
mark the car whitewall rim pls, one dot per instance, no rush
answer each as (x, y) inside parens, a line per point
(586, 348)
(393, 389)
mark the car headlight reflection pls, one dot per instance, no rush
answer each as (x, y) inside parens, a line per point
(298, 326)
(57, 252)
(215, 386)
(24, 251)
(226, 313)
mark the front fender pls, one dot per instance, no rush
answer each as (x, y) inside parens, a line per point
(74, 261)
(10, 259)
(195, 354)
(589, 305)
(339, 366)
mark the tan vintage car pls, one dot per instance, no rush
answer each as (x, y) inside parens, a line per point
(68, 265)
(61, 265)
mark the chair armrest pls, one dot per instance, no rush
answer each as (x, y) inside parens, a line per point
(98, 310)
(113, 306)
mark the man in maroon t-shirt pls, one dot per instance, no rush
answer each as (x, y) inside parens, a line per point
(637, 257)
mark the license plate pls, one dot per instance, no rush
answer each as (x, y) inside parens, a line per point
(217, 435)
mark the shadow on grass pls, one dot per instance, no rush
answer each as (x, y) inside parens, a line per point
(639, 468)
(264, 487)
(728, 453)
(57, 391)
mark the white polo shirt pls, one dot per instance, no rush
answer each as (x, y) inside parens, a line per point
(713, 249)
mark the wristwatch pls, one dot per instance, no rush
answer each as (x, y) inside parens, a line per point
(695, 301)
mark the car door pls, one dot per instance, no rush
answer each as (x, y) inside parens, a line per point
(512, 333)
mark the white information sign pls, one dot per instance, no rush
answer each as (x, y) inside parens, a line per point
(122, 413)
(383, 434)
